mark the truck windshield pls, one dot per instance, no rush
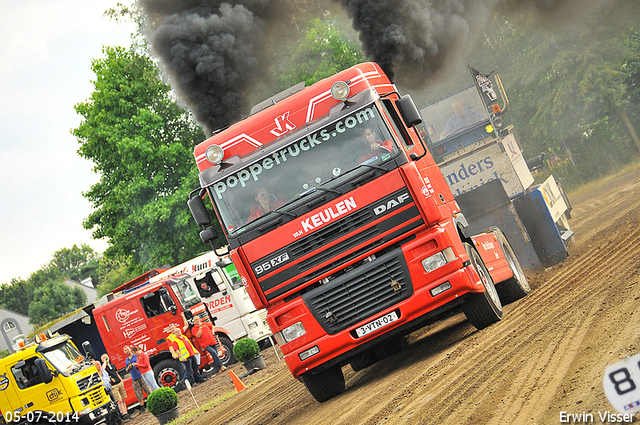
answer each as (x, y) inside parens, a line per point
(65, 358)
(315, 161)
(185, 292)
(454, 114)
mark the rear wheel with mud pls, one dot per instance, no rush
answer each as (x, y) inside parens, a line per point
(485, 308)
(517, 287)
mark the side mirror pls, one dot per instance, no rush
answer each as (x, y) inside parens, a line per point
(88, 350)
(408, 110)
(208, 235)
(173, 309)
(199, 211)
(43, 370)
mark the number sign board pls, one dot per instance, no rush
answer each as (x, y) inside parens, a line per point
(621, 383)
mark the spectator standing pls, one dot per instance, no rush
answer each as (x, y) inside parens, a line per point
(106, 381)
(182, 349)
(144, 366)
(117, 387)
(113, 417)
(138, 384)
(203, 331)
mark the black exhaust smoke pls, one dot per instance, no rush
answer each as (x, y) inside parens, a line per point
(215, 52)
(211, 51)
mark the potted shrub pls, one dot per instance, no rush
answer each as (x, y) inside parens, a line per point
(163, 404)
(247, 351)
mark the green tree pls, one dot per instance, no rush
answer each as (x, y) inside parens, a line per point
(17, 295)
(114, 272)
(77, 263)
(54, 300)
(142, 144)
(323, 51)
(567, 87)
(73, 263)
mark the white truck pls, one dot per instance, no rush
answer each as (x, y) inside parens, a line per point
(228, 300)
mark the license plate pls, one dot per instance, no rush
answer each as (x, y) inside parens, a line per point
(383, 321)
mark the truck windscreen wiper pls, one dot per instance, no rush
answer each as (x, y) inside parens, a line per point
(281, 212)
(317, 188)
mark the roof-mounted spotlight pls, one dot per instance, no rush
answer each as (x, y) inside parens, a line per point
(340, 90)
(215, 154)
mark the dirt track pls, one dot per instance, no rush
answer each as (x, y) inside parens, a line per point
(547, 355)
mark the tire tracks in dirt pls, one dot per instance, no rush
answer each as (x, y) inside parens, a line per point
(558, 331)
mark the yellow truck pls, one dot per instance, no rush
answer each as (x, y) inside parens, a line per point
(50, 381)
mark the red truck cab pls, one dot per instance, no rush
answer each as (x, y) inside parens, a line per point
(140, 313)
(362, 241)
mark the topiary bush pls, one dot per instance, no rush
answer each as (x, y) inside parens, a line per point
(162, 400)
(246, 349)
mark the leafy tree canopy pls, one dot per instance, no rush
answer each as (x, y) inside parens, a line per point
(17, 295)
(54, 300)
(77, 263)
(44, 296)
(114, 272)
(141, 143)
(568, 87)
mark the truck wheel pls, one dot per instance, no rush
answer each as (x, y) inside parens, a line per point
(167, 373)
(225, 350)
(517, 287)
(326, 384)
(485, 308)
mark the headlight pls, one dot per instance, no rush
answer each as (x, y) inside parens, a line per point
(438, 260)
(290, 333)
(253, 325)
(214, 154)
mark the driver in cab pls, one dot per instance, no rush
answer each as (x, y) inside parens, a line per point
(371, 146)
(265, 202)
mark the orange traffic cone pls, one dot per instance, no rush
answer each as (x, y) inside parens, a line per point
(236, 381)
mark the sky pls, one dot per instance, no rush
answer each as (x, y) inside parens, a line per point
(46, 49)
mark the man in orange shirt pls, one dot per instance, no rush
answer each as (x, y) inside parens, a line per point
(203, 331)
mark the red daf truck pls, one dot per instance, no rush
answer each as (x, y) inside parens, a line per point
(343, 227)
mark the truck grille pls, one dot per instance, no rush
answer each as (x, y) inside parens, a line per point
(97, 398)
(390, 225)
(331, 232)
(88, 381)
(361, 293)
(263, 316)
